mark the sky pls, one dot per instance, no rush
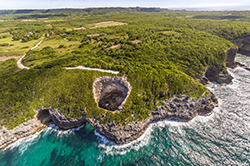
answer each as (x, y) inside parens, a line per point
(171, 4)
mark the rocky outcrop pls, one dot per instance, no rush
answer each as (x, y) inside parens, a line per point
(8, 137)
(231, 53)
(243, 44)
(47, 116)
(181, 109)
(212, 73)
(42, 118)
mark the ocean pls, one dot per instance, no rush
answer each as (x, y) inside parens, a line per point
(223, 138)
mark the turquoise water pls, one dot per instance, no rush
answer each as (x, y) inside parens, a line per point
(222, 138)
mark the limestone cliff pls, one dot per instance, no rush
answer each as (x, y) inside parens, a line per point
(212, 73)
(181, 109)
(243, 44)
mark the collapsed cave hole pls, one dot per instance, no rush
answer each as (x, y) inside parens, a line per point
(111, 92)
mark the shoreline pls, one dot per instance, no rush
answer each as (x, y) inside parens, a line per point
(118, 134)
(8, 137)
(182, 109)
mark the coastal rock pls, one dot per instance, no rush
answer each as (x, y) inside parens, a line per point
(243, 44)
(8, 137)
(181, 109)
(231, 53)
(47, 115)
(174, 109)
(212, 73)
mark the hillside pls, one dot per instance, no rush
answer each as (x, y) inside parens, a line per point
(161, 56)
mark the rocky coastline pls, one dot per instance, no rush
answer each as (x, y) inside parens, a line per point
(25, 129)
(182, 108)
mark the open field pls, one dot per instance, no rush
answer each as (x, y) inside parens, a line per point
(4, 58)
(80, 28)
(16, 47)
(106, 24)
(68, 46)
(170, 33)
(5, 40)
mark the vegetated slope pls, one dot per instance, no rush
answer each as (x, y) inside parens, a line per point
(172, 53)
(71, 91)
(190, 50)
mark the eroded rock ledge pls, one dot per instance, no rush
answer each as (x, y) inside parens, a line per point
(25, 129)
(243, 44)
(212, 73)
(181, 109)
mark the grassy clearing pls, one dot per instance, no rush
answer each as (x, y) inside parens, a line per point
(49, 26)
(60, 47)
(105, 24)
(5, 40)
(29, 20)
(4, 58)
(170, 33)
(68, 46)
(16, 47)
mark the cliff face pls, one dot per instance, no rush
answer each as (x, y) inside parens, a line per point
(231, 53)
(8, 137)
(181, 109)
(243, 44)
(213, 73)
(47, 116)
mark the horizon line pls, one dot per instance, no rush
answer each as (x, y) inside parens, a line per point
(195, 8)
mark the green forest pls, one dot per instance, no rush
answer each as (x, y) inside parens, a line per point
(160, 51)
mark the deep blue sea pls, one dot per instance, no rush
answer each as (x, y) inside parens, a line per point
(223, 138)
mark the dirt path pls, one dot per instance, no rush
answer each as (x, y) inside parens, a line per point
(94, 69)
(19, 62)
(21, 66)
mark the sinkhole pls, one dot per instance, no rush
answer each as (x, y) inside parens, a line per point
(111, 93)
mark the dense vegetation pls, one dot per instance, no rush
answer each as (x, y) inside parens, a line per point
(160, 53)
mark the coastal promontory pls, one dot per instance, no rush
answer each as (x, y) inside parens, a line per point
(119, 73)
